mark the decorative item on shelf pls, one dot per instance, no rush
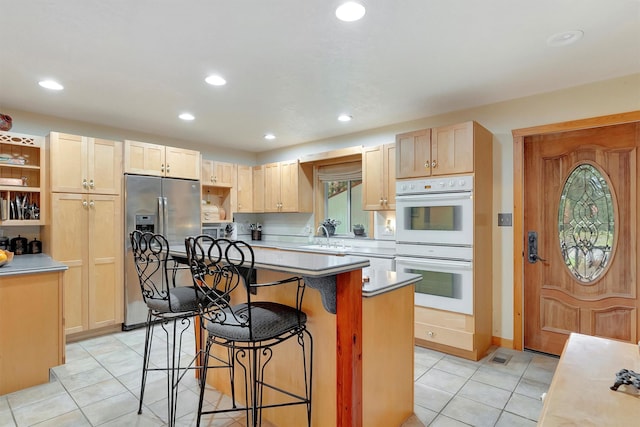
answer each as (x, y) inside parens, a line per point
(6, 122)
(19, 245)
(223, 213)
(330, 225)
(35, 246)
(256, 231)
(358, 230)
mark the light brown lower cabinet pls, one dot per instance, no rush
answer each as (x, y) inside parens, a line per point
(31, 336)
(85, 233)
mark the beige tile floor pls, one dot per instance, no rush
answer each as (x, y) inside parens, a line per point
(99, 385)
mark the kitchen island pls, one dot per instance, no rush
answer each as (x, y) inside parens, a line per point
(31, 331)
(363, 342)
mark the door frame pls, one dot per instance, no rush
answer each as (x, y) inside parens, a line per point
(519, 136)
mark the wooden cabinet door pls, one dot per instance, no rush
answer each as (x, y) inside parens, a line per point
(389, 179)
(105, 297)
(289, 186)
(182, 163)
(206, 172)
(69, 245)
(144, 158)
(104, 165)
(372, 177)
(245, 189)
(452, 149)
(223, 174)
(68, 163)
(272, 187)
(258, 188)
(413, 157)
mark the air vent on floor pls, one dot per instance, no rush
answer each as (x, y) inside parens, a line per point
(501, 359)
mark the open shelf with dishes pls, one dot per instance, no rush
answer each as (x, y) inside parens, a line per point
(21, 179)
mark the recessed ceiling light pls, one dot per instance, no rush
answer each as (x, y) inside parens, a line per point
(344, 118)
(350, 11)
(187, 116)
(50, 84)
(269, 136)
(564, 38)
(215, 80)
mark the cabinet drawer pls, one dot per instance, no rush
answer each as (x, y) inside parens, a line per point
(440, 335)
(446, 319)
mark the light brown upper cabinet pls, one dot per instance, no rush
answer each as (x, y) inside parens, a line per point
(258, 188)
(28, 169)
(217, 174)
(245, 189)
(288, 187)
(79, 164)
(445, 150)
(379, 178)
(157, 160)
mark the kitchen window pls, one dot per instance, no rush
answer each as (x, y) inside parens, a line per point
(342, 195)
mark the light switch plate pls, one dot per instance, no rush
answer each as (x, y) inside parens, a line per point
(504, 220)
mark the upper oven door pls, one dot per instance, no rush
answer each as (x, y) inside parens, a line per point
(438, 218)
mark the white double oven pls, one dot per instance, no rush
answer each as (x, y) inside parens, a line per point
(434, 238)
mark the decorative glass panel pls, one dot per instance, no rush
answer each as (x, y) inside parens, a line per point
(586, 223)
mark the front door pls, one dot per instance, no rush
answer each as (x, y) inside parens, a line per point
(580, 229)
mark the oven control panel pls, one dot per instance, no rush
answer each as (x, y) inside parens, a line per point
(435, 185)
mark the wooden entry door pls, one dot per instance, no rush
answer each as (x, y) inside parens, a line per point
(589, 284)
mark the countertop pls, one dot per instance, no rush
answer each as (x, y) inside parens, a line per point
(299, 263)
(31, 264)
(348, 249)
(289, 259)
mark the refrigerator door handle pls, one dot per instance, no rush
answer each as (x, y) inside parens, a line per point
(160, 216)
(165, 229)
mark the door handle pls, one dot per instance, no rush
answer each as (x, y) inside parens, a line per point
(532, 248)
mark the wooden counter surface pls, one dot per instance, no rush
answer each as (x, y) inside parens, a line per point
(579, 394)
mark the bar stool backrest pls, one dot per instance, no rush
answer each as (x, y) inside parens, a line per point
(156, 269)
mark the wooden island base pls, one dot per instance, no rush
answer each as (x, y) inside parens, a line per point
(370, 383)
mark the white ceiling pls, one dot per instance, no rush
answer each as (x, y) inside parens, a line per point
(292, 67)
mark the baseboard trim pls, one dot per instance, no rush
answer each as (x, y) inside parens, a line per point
(502, 342)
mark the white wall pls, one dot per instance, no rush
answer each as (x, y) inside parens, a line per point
(597, 99)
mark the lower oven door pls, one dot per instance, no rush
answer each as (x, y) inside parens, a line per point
(445, 284)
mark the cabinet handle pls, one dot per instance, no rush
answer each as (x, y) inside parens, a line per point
(434, 164)
(427, 165)
(215, 179)
(381, 201)
(84, 204)
(162, 167)
(84, 183)
(92, 204)
(92, 185)
(168, 168)
(431, 334)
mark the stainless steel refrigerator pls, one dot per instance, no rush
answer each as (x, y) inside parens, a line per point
(168, 206)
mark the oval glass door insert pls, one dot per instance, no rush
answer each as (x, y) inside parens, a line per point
(586, 223)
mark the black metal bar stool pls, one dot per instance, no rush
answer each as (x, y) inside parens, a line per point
(250, 330)
(171, 306)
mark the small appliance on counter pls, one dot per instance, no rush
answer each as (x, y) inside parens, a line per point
(4, 243)
(19, 245)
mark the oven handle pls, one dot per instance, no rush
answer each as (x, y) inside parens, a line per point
(434, 196)
(435, 262)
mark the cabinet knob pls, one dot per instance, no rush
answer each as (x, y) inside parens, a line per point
(427, 165)
(168, 168)
(381, 201)
(431, 334)
(162, 167)
(84, 203)
(92, 184)
(92, 204)
(84, 183)
(434, 164)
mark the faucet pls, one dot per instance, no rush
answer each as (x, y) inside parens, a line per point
(326, 233)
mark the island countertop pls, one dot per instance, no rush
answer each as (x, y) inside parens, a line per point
(299, 263)
(31, 264)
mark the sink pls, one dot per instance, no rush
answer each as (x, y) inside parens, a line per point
(325, 248)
